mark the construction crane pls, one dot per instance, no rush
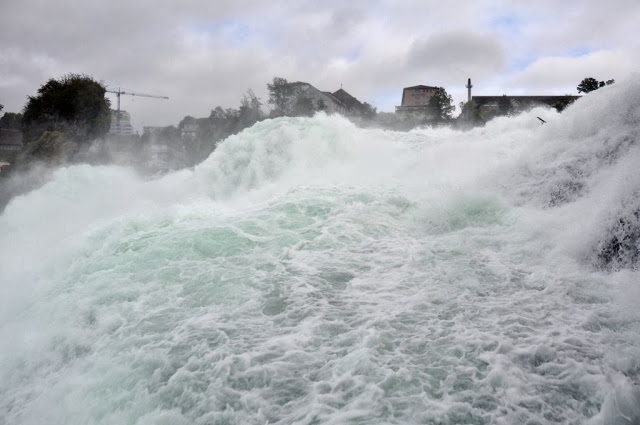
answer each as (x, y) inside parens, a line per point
(128, 93)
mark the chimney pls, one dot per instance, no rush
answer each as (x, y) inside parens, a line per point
(468, 86)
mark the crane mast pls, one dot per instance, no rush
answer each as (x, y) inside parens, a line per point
(128, 93)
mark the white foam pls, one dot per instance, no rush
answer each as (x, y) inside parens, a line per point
(313, 272)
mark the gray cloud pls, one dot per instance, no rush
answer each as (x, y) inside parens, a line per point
(458, 52)
(562, 74)
(202, 53)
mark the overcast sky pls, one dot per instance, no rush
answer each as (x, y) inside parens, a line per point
(205, 53)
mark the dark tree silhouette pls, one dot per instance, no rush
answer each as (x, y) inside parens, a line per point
(442, 104)
(73, 105)
(282, 95)
(590, 84)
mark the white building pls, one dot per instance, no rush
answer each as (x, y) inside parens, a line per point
(120, 123)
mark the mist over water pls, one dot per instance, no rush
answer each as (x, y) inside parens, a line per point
(312, 272)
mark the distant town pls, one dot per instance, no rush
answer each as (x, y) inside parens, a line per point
(70, 121)
(416, 108)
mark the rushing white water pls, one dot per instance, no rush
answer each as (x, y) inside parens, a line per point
(311, 272)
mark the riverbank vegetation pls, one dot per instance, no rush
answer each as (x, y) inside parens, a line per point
(68, 122)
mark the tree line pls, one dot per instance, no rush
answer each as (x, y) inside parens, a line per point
(286, 99)
(70, 116)
(69, 113)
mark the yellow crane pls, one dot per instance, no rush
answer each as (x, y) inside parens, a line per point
(128, 93)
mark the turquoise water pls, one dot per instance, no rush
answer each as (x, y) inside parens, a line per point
(311, 272)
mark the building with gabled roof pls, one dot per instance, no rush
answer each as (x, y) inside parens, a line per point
(330, 102)
(339, 101)
(353, 105)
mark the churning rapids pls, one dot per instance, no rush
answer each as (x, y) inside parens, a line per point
(312, 272)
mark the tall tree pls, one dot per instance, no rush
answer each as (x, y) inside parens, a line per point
(590, 84)
(442, 105)
(250, 111)
(74, 105)
(282, 95)
(469, 114)
(369, 112)
(587, 85)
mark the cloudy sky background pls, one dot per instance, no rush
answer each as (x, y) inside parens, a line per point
(205, 53)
